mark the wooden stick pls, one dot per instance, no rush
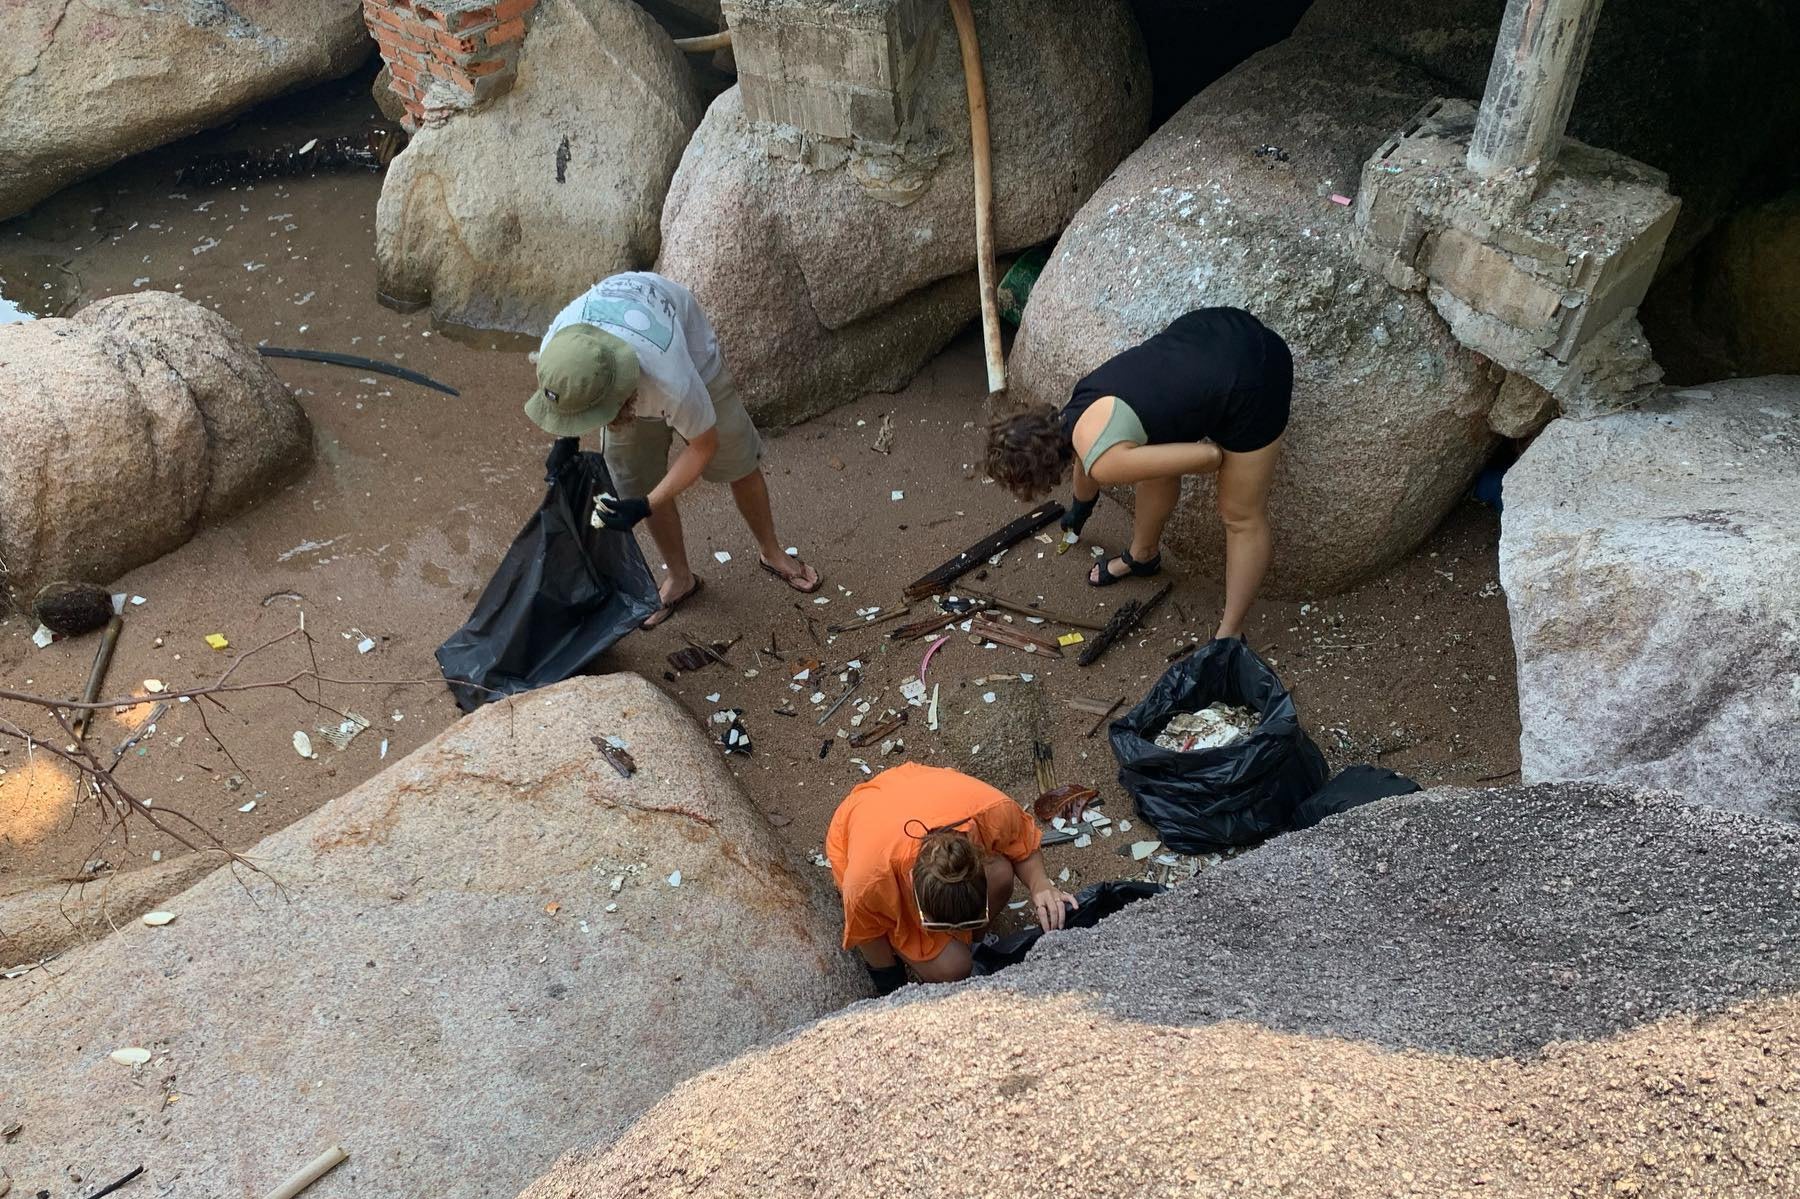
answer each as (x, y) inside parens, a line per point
(710, 652)
(1106, 715)
(983, 154)
(1005, 634)
(109, 641)
(308, 1174)
(921, 628)
(705, 44)
(871, 736)
(883, 618)
(994, 601)
(935, 581)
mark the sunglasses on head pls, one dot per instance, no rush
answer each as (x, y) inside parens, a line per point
(926, 922)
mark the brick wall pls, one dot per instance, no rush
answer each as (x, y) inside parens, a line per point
(446, 55)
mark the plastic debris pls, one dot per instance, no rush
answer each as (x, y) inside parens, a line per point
(1143, 849)
(675, 879)
(1068, 639)
(134, 1056)
(913, 691)
(988, 697)
(249, 807)
(365, 645)
(721, 556)
(158, 919)
(43, 637)
(1337, 199)
(896, 496)
(155, 686)
(217, 640)
(1213, 727)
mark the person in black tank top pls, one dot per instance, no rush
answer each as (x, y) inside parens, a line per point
(1208, 395)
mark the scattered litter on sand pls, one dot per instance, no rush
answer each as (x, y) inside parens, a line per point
(340, 735)
(1213, 727)
(303, 745)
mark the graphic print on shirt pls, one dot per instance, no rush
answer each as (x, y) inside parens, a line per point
(632, 306)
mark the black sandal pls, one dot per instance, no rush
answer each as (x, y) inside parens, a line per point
(1133, 570)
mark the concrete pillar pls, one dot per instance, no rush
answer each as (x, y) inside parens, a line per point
(1531, 86)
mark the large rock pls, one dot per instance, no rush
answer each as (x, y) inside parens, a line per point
(830, 270)
(500, 215)
(128, 425)
(429, 973)
(1531, 993)
(1651, 561)
(84, 85)
(1700, 89)
(1228, 204)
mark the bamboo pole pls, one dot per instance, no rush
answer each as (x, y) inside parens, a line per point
(705, 44)
(984, 192)
(109, 641)
(308, 1174)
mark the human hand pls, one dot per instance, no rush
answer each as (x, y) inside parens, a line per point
(1078, 513)
(620, 515)
(562, 451)
(1051, 905)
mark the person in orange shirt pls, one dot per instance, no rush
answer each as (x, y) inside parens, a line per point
(925, 858)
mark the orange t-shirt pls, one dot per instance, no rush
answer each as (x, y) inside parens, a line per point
(872, 854)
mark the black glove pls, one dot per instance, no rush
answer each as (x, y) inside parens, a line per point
(562, 452)
(1078, 513)
(621, 515)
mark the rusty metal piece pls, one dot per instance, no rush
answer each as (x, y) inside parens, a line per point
(1069, 801)
(615, 757)
(936, 580)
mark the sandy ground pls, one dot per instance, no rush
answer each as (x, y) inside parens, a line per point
(413, 497)
(1531, 993)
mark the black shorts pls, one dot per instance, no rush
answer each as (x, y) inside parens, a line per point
(1257, 412)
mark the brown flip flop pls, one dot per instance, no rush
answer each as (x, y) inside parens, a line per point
(667, 610)
(792, 580)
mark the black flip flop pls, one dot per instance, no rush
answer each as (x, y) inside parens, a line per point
(1133, 570)
(662, 614)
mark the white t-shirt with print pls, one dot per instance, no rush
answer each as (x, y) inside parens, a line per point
(678, 353)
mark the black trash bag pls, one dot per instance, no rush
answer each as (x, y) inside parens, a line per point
(1097, 903)
(1211, 799)
(564, 593)
(1352, 787)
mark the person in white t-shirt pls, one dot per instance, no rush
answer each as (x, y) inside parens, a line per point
(634, 354)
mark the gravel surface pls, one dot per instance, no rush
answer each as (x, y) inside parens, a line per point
(1317, 1019)
(1481, 922)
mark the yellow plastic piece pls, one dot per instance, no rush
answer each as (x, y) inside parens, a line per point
(217, 640)
(1068, 639)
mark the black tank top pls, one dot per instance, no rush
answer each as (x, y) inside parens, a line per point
(1214, 373)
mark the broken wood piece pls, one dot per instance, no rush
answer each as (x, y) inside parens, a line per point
(870, 736)
(975, 84)
(866, 621)
(615, 757)
(936, 580)
(994, 601)
(110, 1187)
(1043, 766)
(1106, 715)
(704, 44)
(1093, 707)
(850, 686)
(1122, 623)
(308, 1174)
(697, 655)
(1014, 636)
(109, 641)
(1069, 801)
(921, 628)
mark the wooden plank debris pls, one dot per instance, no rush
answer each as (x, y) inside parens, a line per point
(1005, 605)
(981, 629)
(936, 580)
(1123, 621)
(871, 736)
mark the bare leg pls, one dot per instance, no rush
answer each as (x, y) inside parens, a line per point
(752, 495)
(1244, 508)
(664, 524)
(953, 964)
(1000, 885)
(879, 953)
(1156, 499)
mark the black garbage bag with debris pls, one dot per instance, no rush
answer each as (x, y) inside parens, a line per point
(1352, 787)
(1095, 903)
(564, 593)
(1208, 799)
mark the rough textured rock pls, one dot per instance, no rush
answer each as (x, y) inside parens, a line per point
(863, 256)
(500, 215)
(437, 984)
(39, 920)
(994, 741)
(1650, 561)
(1701, 89)
(391, 106)
(84, 85)
(128, 425)
(1533, 992)
(1389, 415)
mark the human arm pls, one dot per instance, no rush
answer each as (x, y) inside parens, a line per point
(684, 469)
(1048, 901)
(1125, 463)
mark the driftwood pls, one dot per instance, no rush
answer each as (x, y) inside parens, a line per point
(872, 735)
(976, 84)
(1005, 605)
(937, 580)
(1123, 621)
(983, 629)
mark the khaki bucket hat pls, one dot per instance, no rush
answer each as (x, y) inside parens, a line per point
(585, 375)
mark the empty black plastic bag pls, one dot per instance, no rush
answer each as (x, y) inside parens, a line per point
(564, 593)
(1352, 787)
(1208, 799)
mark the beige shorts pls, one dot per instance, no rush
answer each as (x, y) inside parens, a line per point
(638, 454)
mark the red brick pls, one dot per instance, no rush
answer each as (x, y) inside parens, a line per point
(459, 22)
(403, 71)
(467, 42)
(511, 10)
(506, 31)
(477, 67)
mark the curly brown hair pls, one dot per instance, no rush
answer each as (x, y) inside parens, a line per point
(1027, 453)
(950, 879)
